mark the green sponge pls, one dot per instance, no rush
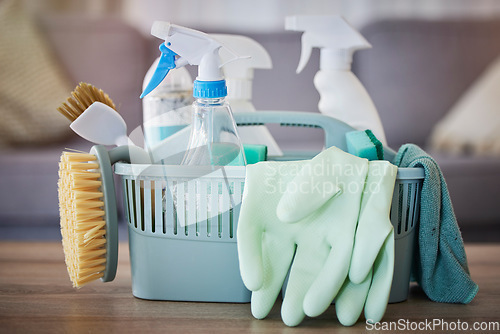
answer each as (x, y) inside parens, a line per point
(364, 144)
(255, 153)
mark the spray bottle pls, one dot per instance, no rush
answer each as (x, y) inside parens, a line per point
(239, 76)
(342, 95)
(214, 140)
(167, 109)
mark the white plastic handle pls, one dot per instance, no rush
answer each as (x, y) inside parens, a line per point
(102, 125)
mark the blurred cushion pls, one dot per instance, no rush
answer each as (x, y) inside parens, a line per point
(473, 124)
(32, 85)
(418, 69)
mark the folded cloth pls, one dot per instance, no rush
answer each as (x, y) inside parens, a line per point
(440, 263)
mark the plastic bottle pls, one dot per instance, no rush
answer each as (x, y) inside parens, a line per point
(166, 109)
(342, 95)
(239, 76)
(214, 140)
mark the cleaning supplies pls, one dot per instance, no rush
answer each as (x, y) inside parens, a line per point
(239, 76)
(86, 192)
(213, 140)
(166, 109)
(364, 144)
(318, 244)
(440, 265)
(342, 94)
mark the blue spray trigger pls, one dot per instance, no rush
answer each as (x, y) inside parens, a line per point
(166, 63)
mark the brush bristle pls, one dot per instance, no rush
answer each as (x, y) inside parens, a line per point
(83, 228)
(81, 98)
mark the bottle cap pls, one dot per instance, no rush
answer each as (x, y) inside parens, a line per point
(209, 89)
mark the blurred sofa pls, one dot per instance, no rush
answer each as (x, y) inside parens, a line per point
(414, 73)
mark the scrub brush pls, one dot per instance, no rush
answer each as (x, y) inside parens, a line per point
(86, 191)
(81, 98)
(94, 117)
(88, 215)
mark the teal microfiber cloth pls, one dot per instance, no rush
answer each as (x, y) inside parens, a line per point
(440, 265)
(364, 144)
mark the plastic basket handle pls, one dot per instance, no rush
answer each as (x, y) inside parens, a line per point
(334, 129)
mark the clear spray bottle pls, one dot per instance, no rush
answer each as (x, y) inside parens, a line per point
(214, 140)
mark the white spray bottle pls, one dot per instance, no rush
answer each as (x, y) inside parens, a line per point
(214, 140)
(342, 95)
(239, 76)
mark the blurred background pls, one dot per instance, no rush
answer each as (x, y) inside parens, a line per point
(433, 74)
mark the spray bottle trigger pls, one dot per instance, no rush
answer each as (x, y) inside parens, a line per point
(233, 59)
(234, 53)
(166, 63)
(305, 53)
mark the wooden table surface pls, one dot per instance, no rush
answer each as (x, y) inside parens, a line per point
(36, 296)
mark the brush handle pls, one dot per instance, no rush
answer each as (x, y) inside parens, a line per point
(106, 160)
(110, 210)
(129, 153)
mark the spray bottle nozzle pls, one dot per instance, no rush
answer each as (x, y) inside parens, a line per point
(186, 46)
(332, 34)
(166, 63)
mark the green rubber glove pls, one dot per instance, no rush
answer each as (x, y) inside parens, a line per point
(305, 211)
(372, 263)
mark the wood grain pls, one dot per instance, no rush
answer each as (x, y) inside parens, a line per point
(36, 296)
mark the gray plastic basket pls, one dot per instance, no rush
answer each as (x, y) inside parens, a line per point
(188, 251)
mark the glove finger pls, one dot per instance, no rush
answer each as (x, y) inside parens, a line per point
(374, 224)
(307, 263)
(328, 282)
(367, 245)
(250, 229)
(249, 244)
(351, 300)
(276, 262)
(383, 270)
